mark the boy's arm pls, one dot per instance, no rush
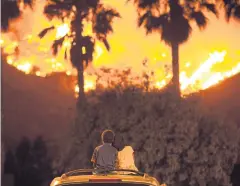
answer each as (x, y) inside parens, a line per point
(116, 160)
(94, 157)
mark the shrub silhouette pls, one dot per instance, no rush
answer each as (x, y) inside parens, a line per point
(175, 141)
(10, 163)
(235, 175)
(30, 163)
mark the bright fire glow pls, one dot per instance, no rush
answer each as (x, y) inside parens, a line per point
(218, 77)
(203, 69)
(89, 85)
(62, 30)
(29, 54)
(26, 67)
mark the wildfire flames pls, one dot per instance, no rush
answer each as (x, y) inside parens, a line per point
(19, 54)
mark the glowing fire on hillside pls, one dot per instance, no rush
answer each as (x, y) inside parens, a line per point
(20, 56)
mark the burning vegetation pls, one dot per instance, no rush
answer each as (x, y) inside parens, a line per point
(29, 53)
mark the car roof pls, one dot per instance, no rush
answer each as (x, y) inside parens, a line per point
(118, 176)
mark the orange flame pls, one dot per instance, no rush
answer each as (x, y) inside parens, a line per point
(186, 82)
(62, 30)
(41, 62)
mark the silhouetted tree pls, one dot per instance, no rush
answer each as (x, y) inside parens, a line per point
(10, 163)
(25, 172)
(82, 47)
(171, 19)
(235, 178)
(42, 162)
(30, 164)
(232, 9)
(10, 10)
(3, 153)
(23, 151)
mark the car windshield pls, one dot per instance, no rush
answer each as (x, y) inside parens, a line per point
(104, 184)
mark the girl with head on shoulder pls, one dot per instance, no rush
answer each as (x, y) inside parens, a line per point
(125, 159)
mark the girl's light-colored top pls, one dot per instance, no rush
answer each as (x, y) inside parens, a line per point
(126, 159)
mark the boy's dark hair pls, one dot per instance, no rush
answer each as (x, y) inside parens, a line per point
(107, 136)
(119, 142)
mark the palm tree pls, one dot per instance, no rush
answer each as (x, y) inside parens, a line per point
(82, 47)
(232, 9)
(171, 19)
(10, 10)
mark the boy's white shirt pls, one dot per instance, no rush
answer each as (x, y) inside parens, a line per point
(126, 158)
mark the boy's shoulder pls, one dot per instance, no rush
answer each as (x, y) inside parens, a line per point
(105, 147)
(98, 147)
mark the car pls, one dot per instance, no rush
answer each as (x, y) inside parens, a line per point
(93, 177)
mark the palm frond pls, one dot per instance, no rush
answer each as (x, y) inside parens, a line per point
(76, 56)
(112, 13)
(158, 22)
(58, 1)
(10, 11)
(57, 9)
(45, 31)
(102, 22)
(145, 4)
(210, 7)
(89, 44)
(50, 11)
(105, 42)
(200, 19)
(176, 9)
(143, 18)
(57, 44)
(236, 12)
(65, 55)
(231, 9)
(93, 3)
(227, 2)
(29, 3)
(152, 23)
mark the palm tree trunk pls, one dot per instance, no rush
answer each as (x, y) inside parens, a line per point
(81, 93)
(175, 69)
(80, 67)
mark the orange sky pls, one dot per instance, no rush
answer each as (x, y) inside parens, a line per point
(130, 44)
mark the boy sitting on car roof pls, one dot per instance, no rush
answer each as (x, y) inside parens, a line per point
(105, 156)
